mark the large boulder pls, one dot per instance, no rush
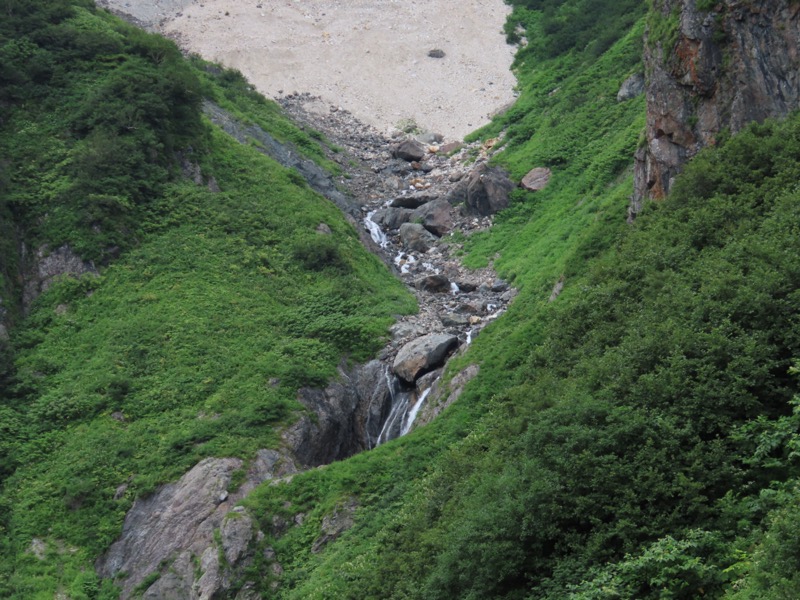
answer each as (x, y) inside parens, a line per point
(422, 355)
(409, 150)
(412, 200)
(392, 218)
(435, 216)
(484, 192)
(436, 284)
(416, 237)
(536, 179)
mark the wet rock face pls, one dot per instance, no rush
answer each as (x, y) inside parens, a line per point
(347, 416)
(735, 64)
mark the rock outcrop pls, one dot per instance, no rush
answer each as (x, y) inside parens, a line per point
(172, 532)
(725, 67)
(344, 418)
(45, 266)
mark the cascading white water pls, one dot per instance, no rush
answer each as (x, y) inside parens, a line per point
(375, 231)
(412, 414)
(469, 337)
(454, 289)
(399, 407)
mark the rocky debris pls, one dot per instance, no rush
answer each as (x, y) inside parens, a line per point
(167, 532)
(731, 65)
(45, 266)
(38, 548)
(409, 150)
(335, 524)
(423, 354)
(536, 179)
(380, 181)
(631, 88)
(436, 53)
(415, 237)
(484, 192)
(324, 229)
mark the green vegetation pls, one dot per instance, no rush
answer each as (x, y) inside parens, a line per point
(633, 439)
(212, 308)
(637, 437)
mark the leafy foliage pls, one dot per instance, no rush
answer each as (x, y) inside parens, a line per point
(214, 305)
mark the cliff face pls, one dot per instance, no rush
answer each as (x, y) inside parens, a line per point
(735, 62)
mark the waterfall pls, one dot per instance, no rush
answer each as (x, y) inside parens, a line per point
(375, 231)
(389, 431)
(412, 414)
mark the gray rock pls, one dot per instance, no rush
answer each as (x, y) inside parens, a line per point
(175, 583)
(709, 83)
(436, 53)
(415, 237)
(412, 200)
(422, 355)
(180, 516)
(536, 179)
(335, 524)
(392, 218)
(344, 418)
(400, 331)
(436, 284)
(235, 534)
(409, 150)
(466, 286)
(435, 216)
(429, 137)
(632, 87)
(454, 320)
(167, 531)
(498, 285)
(47, 266)
(484, 192)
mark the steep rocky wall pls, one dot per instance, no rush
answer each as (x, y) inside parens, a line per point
(710, 68)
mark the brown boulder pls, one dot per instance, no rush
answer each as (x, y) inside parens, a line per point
(435, 216)
(536, 179)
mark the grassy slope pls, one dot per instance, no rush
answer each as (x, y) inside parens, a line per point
(604, 450)
(214, 299)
